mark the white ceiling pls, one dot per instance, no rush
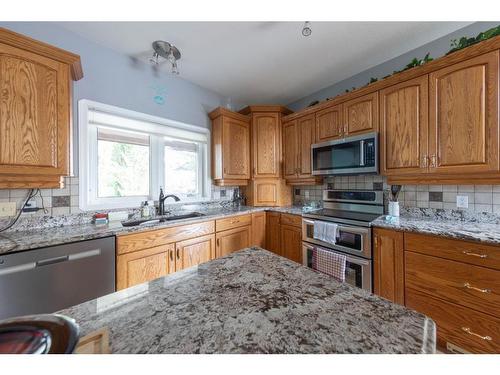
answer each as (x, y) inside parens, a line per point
(268, 62)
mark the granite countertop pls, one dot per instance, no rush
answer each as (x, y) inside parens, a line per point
(15, 241)
(470, 230)
(253, 301)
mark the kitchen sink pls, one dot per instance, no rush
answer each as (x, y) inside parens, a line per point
(162, 219)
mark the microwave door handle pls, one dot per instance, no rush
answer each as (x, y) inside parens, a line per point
(362, 153)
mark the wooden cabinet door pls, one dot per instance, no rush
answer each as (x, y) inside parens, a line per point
(388, 265)
(273, 232)
(236, 149)
(34, 114)
(404, 127)
(195, 251)
(463, 118)
(361, 114)
(306, 133)
(291, 243)
(142, 266)
(290, 149)
(259, 229)
(266, 145)
(233, 240)
(329, 124)
(266, 192)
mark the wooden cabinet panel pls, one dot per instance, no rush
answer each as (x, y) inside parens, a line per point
(329, 124)
(306, 134)
(404, 127)
(195, 251)
(266, 145)
(142, 266)
(361, 114)
(233, 222)
(132, 242)
(268, 192)
(463, 120)
(388, 265)
(273, 232)
(293, 220)
(259, 229)
(469, 329)
(460, 283)
(235, 149)
(459, 250)
(291, 243)
(290, 149)
(233, 240)
(96, 342)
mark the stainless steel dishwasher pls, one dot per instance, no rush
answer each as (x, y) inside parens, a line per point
(50, 279)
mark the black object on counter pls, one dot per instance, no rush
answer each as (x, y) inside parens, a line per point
(38, 334)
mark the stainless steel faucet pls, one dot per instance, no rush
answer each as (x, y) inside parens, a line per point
(161, 201)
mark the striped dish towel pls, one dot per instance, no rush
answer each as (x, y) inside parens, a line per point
(330, 263)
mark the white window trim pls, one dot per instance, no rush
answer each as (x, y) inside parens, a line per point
(153, 125)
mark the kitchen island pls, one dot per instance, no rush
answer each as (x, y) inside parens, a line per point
(253, 301)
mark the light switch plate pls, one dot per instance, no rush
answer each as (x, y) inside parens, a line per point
(462, 201)
(7, 209)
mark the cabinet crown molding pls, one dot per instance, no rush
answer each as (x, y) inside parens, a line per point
(221, 111)
(265, 108)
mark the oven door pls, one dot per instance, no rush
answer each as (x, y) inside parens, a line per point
(358, 271)
(350, 239)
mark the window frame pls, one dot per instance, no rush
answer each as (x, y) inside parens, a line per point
(157, 128)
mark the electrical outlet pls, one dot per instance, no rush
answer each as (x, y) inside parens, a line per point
(462, 201)
(8, 209)
(31, 206)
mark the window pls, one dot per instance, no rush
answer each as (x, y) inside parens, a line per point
(126, 156)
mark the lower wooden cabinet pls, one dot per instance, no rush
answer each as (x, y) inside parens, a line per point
(273, 234)
(232, 240)
(143, 265)
(388, 265)
(259, 229)
(291, 242)
(195, 251)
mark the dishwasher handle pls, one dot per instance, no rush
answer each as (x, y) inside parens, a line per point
(47, 262)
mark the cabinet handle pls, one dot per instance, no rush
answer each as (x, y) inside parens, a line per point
(433, 161)
(177, 254)
(225, 171)
(171, 255)
(234, 221)
(218, 242)
(468, 330)
(425, 161)
(470, 253)
(468, 286)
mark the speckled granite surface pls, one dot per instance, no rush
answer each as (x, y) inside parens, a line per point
(461, 225)
(253, 301)
(31, 239)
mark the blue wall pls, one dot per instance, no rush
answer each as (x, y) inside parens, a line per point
(436, 48)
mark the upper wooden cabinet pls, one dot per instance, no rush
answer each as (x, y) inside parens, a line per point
(35, 111)
(463, 122)
(230, 147)
(329, 124)
(266, 145)
(404, 127)
(361, 114)
(290, 149)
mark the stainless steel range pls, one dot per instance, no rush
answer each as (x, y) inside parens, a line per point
(352, 211)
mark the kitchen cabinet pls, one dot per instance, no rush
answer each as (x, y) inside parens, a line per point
(232, 240)
(230, 147)
(290, 149)
(143, 265)
(273, 232)
(361, 114)
(35, 111)
(463, 117)
(404, 127)
(329, 124)
(266, 192)
(259, 229)
(291, 242)
(388, 265)
(189, 253)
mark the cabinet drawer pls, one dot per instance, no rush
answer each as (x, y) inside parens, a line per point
(233, 222)
(462, 251)
(144, 240)
(464, 284)
(471, 330)
(294, 220)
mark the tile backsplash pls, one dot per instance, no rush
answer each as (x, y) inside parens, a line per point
(481, 198)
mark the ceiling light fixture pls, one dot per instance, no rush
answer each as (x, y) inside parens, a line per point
(306, 30)
(168, 51)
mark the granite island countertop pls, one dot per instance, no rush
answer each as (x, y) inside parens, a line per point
(16, 241)
(253, 301)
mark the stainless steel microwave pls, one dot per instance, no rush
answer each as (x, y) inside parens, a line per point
(347, 156)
